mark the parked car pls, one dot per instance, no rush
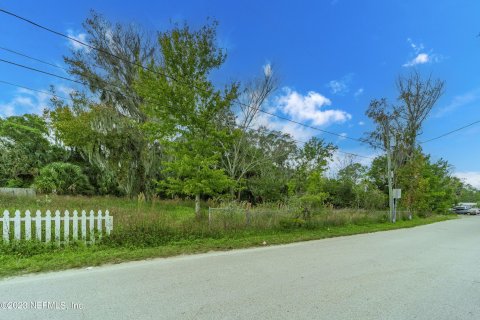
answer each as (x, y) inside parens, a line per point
(466, 209)
(474, 211)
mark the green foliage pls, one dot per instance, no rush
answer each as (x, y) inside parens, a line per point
(24, 149)
(292, 223)
(62, 178)
(118, 155)
(170, 131)
(312, 203)
(312, 162)
(193, 175)
(181, 112)
(427, 187)
(108, 133)
(22, 249)
(465, 192)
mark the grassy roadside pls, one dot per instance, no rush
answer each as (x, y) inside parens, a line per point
(75, 257)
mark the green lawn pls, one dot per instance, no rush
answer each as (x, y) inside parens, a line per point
(167, 228)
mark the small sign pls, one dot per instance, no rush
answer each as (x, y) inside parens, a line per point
(397, 193)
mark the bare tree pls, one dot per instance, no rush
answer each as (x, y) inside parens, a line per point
(241, 155)
(417, 96)
(398, 126)
(402, 122)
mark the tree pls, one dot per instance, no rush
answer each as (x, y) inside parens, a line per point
(311, 162)
(24, 149)
(353, 177)
(402, 122)
(181, 103)
(377, 173)
(267, 180)
(114, 115)
(63, 178)
(417, 97)
(398, 125)
(240, 154)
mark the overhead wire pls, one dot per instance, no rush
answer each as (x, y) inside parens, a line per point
(170, 76)
(34, 90)
(32, 58)
(239, 127)
(450, 132)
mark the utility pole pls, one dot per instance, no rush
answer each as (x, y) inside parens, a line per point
(390, 175)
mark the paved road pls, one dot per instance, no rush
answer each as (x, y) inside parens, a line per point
(429, 272)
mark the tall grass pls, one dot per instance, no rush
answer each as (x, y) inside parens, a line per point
(138, 223)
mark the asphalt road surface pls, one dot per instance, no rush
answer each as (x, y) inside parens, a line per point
(429, 272)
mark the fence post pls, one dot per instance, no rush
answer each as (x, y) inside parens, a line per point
(84, 225)
(57, 226)
(108, 222)
(99, 223)
(16, 225)
(48, 226)
(94, 226)
(209, 216)
(6, 226)
(75, 225)
(66, 226)
(28, 225)
(91, 225)
(38, 225)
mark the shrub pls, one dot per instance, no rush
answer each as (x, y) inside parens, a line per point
(291, 223)
(63, 178)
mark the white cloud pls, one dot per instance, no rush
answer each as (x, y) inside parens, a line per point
(361, 123)
(310, 108)
(337, 86)
(341, 86)
(298, 132)
(19, 102)
(417, 48)
(460, 101)
(26, 101)
(470, 177)
(79, 37)
(307, 108)
(420, 56)
(7, 110)
(358, 93)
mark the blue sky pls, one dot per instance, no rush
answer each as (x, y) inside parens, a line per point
(332, 58)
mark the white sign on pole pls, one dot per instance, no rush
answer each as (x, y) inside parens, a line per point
(397, 193)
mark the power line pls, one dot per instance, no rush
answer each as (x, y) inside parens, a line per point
(66, 78)
(258, 130)
(169, 76)
(41, 71)
(34, 90)
(32, 58)
(312, 127)
(450, 132)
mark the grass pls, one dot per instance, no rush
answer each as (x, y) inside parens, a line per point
(167, 228)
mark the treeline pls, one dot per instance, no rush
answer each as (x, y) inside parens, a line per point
(151, 122)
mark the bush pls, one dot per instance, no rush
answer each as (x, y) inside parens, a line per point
(291, 223)
(63, 178)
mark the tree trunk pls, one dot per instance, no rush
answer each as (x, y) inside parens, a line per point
(197, 206)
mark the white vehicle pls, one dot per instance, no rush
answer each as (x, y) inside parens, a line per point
(474, 211)
(467, 208)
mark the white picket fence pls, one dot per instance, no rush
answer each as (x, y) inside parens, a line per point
(74, 226)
